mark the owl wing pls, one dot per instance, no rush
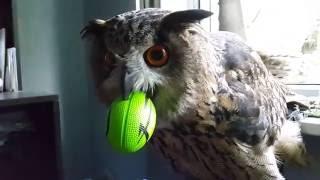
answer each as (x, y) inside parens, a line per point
(251, 98)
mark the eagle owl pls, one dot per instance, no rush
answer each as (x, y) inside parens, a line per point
(221, 114)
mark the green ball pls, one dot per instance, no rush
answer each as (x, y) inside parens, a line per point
(131, 122)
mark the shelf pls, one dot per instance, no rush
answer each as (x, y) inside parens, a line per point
(31, 137)
(20, 98)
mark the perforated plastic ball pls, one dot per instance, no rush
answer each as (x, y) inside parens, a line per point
(131, 122)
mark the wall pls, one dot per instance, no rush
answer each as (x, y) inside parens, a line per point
(52, 60)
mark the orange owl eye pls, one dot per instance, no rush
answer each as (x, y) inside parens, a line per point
(156, 56)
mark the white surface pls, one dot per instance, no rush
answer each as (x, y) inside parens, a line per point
(310, 126)
(11, 77)
(2, 54)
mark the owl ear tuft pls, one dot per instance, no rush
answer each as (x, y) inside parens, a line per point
(186, 16)
(95, 27)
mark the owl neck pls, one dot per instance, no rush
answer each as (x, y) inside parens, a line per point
(176, 106)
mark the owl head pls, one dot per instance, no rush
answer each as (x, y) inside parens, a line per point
(162, 53)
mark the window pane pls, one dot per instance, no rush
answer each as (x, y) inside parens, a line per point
(290, 31)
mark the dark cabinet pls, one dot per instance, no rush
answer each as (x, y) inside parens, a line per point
(29, 136)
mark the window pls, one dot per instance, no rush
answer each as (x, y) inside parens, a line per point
(287, 30)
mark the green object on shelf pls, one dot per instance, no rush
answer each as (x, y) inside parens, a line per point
(131, 122)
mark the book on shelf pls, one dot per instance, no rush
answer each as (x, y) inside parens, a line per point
(11, 75)
(2, 57)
